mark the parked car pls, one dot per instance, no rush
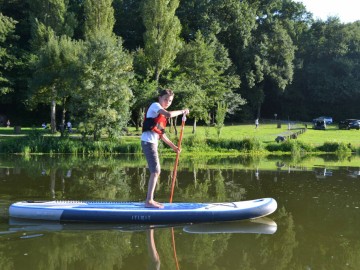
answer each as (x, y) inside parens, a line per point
(320, 124)
(349, 124)
(328, 120)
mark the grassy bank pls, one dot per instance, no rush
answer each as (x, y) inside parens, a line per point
(234, 139)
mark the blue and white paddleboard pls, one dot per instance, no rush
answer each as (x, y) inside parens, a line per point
(135, 212)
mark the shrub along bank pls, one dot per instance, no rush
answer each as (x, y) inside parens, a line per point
(37, 143)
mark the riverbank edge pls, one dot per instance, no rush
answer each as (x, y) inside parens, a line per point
(191, 146)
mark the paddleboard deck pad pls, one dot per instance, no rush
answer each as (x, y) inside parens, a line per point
(135, 212)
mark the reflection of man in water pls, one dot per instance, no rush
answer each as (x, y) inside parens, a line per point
(154, 256)
(257, 174)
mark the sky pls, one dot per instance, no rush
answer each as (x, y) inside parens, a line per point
(346, 10)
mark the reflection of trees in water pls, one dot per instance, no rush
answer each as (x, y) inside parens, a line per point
(204, 250)
(352, 258)
(207, 185)
(218, 187)
(198, 190)
(193, 251)
(203, 162)
(102, 183)
(71, 178)
(68, 250)
(111, 249)
(270, 252)
(6, 263)
(280, 250)
(109, 178)
(117, 179)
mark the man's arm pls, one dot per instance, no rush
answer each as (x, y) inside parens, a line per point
(170, 114)
(166, 140)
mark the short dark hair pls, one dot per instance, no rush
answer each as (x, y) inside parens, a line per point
(167, 91)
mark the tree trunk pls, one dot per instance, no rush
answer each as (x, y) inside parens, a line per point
(53, 116)
(137, 123)
(97, 133)
(157, 74)
(194, 126)
(140, 119)
(62, 125)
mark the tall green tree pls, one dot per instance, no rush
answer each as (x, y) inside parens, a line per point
(145, 91)
(17, 70)
(50, 19)
(328, 82)
(99, 17)
(105, 75)
(220, 117)
(47, 16)
(162, 41)
(19, 11)
(190, 95)
(256, 33)
(54, 74)
(232, 21)
(272, 63)
(128, 23)
(205, 62)
(268, 59)
(7, 56)
(194, 17)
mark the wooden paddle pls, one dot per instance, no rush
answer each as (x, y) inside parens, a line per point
(177, 157)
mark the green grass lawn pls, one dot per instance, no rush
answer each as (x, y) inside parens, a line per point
(24, 131)
(265, 133)
(331, 134)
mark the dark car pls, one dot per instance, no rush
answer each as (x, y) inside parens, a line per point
(349, 124)
(320, 124)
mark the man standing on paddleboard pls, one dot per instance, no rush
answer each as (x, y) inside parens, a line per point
(153, 130)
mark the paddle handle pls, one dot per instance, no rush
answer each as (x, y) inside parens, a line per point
(177, 158)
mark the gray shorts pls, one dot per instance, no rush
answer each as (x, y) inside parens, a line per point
(152, 156)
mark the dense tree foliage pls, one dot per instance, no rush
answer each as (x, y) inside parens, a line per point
(104, 97)
(53, 78)
(99, 17)
(49, 19)
(258, 57)
(161, 37)
(7, 57)
(329, 79)
(104, 75)
(205, 67)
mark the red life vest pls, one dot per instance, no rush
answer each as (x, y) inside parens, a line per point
(157, 124)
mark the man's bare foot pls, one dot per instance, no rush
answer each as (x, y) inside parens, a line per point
(153, 204)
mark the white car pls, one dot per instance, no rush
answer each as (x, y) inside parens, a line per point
(328, 120)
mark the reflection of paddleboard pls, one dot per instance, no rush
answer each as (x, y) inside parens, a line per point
(133, 212)
(20, 224)
(259, 225)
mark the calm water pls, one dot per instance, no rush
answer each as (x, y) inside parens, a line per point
(316, 225)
